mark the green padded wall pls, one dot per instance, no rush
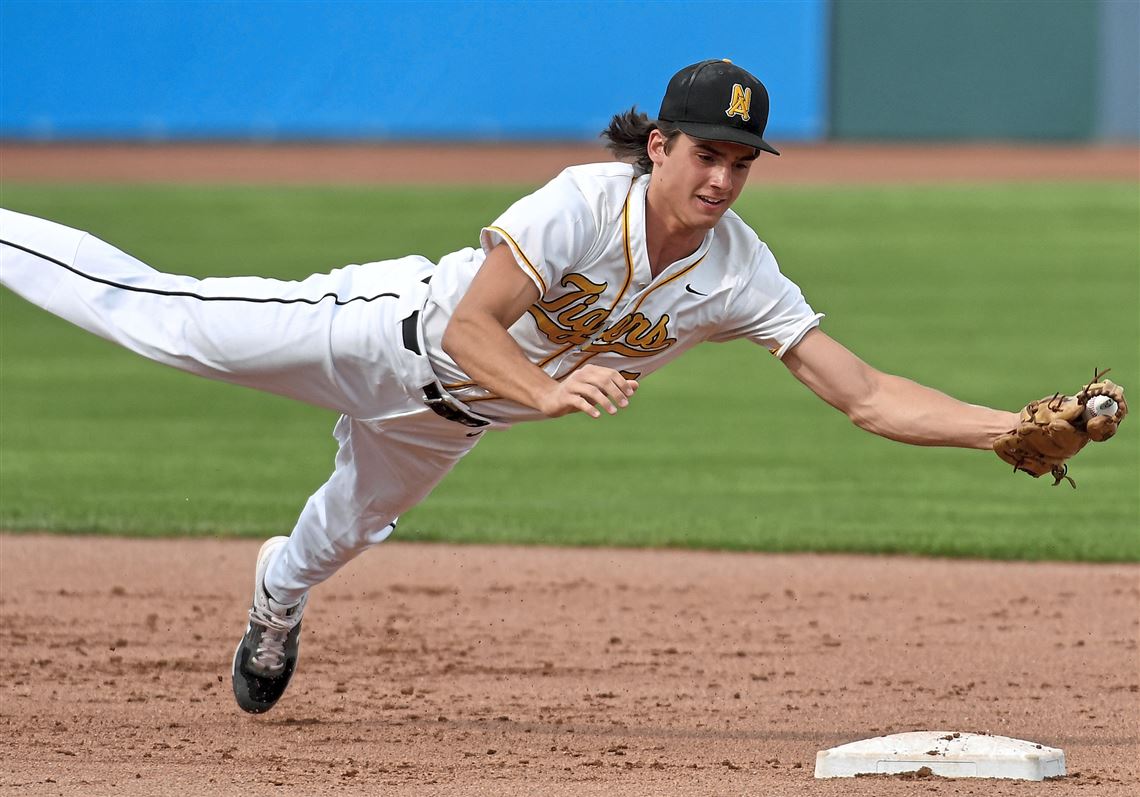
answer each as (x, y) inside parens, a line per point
(974, 69)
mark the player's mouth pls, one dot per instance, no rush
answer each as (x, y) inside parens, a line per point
(711, 204)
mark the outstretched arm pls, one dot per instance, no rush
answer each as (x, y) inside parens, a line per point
(891, 406)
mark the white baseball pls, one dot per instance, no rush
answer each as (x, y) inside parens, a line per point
(1100, 405)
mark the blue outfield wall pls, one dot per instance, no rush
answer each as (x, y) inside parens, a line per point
(387, 70)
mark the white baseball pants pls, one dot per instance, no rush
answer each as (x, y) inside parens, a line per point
(332, 340)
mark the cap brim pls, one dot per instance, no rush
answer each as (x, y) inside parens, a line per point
(725, 133)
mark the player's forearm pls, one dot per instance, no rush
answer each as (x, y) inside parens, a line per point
(888, 405)
(903, 410)
(490, 356)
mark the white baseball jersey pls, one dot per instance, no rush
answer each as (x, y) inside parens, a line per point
(581, 240)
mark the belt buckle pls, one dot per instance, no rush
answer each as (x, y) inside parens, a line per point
(440, 405)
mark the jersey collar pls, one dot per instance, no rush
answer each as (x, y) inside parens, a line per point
(634, 239)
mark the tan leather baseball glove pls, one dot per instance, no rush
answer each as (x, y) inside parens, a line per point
(1053, 429)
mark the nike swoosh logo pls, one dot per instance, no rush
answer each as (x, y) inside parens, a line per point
(474, 434)
(689, 288)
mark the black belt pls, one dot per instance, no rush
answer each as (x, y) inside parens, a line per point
(437, 401)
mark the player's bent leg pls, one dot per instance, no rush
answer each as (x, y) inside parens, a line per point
(332, 339)
(382, 469)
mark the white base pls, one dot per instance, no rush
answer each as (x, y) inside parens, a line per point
(949, 754)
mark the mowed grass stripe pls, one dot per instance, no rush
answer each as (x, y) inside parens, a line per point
(996, 294)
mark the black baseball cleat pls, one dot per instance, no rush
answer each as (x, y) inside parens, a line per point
(267, 655)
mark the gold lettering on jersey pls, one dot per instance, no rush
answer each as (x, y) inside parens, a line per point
(572, 318)
(740, 103)
(635, 335)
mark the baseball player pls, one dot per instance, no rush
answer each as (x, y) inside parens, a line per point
(575, 294)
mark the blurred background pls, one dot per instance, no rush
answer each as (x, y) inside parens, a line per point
(1063, 70)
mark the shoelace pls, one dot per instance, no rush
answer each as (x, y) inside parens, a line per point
(269, 658)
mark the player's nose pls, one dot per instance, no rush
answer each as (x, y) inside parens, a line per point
(720, 177)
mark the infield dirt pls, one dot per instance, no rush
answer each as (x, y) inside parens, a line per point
(451, 670)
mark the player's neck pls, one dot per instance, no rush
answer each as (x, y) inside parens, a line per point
(667, 238)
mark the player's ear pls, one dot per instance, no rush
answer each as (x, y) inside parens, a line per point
(656, 147)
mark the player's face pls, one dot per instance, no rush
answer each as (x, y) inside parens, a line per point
(697, 180)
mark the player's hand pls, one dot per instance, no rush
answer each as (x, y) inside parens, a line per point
(588, 388)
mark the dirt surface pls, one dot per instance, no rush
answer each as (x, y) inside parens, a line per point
(437, 669)
(537, 163)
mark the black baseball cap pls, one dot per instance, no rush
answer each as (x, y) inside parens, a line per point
(718, 101)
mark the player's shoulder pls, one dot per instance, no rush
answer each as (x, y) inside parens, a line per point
(602, 173)
(748, 261)
(597, 179)
(602, 187)
(736, 239)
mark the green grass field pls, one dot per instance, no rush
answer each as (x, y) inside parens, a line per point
(996, 294)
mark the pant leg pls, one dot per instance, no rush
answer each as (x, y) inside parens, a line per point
(330, 340)
(383, 468)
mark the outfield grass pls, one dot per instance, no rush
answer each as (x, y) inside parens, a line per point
(996, 294)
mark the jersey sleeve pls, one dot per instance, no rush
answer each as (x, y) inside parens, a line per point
(548, 231)
(769, 309)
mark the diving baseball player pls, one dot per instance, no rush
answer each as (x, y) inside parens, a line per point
(576, 293)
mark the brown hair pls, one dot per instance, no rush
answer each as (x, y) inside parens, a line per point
(627, 137)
